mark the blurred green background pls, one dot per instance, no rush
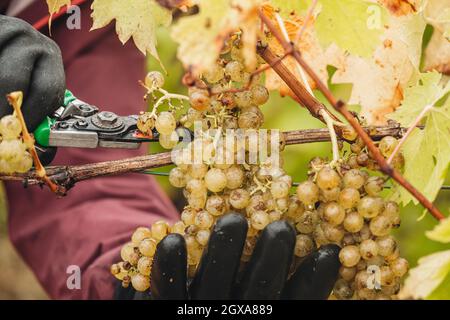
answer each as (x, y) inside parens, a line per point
(17, 282)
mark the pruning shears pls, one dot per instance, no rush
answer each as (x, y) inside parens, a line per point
(78, 124)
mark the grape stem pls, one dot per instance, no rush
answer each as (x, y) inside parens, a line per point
(333, 136)
(15, 99)
(409, 131)
(341, 107)
(167, 96)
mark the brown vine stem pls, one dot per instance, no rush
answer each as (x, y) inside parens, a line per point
(341, 107)
(68, 176)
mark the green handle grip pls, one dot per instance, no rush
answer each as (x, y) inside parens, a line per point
(42, 133)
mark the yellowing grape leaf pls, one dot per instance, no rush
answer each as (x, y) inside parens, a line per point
(291, 7)
(424, 279)
(55, 5)
(138, 19)
(401, 7)
(437, 13)
(427, 151)
(441, 232)
(354, 25)
(379, 82)
(201, 36)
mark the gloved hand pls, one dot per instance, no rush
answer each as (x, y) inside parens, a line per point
(265, 276)
(32, 63)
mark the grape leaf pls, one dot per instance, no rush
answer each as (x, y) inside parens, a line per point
(441, 232)
(437, 13)
(424, 279)
(379, 82)
(291, 7)
(401, 7)
(354, 25)
(55, 5)
(427, 151)
(201, 36)
(138, 19)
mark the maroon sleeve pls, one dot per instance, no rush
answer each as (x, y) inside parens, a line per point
(87, 227)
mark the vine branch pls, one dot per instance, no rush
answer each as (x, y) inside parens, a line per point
(341, 107)
(67, 176)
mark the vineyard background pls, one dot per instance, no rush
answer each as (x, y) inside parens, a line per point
(17, 282)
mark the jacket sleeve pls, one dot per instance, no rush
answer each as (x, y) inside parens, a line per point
(86, 229)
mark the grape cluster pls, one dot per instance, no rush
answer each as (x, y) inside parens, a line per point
(14, 157)
(344, 206)
(339, 203)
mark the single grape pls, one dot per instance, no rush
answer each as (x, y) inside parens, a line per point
(260, 95)
(202, 237)
(10, 127)
(196, 187)
(342, 290)
(348, 274)
(353, 222)
(260, 220)
(200, 100)
(380, 226)
(387, 146)
(147, 247)
(179, 227)
(354, 178)
(333, 213)
(328, 178)
(140, 282)
(177, 178)
(349, 198)
(144, 266)
(239, 198)
(216, 205)
(279, 189)
(250, 120)
(349, 256)
(334, 234)
(243, 99)
(368, 249)
(215, 180)
(159, 230)
(370, 207)
(308, 192)
(399, 267)
(127, 251)
(154, 80)
(233, 69)
(235, 177)
(140, 234)
(166, 123)
(387, 276)
(386, 246)
(304, 245)
(374, 185)
(307, 222)
(169, 141)
(204, 220)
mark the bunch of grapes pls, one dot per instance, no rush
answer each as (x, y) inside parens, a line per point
(14, 157)
(339, 203)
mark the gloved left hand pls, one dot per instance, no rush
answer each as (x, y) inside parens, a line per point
(32, 63)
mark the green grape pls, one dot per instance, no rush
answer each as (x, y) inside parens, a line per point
(328, 178)
(349, 256)
(10, 127)
(239, 198)
(177, 178)
(165, 123)
(154, 80)
(387, 145)
(215, 180)
(233, 69)
(370, 207)
(308, 192)
(304, 245)
(169, 141)
(260, 95)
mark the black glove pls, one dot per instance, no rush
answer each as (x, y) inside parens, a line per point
(32, 63)
(265, 276)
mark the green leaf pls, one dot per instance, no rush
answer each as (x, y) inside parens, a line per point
(442, 292)
(427, 151)
(425, 92)
(354, 25)
(288, 7)
(429, 274)
(441, 232)
(138, 19)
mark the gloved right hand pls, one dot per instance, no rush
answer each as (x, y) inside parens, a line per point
(32, 63)
(265, 276)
